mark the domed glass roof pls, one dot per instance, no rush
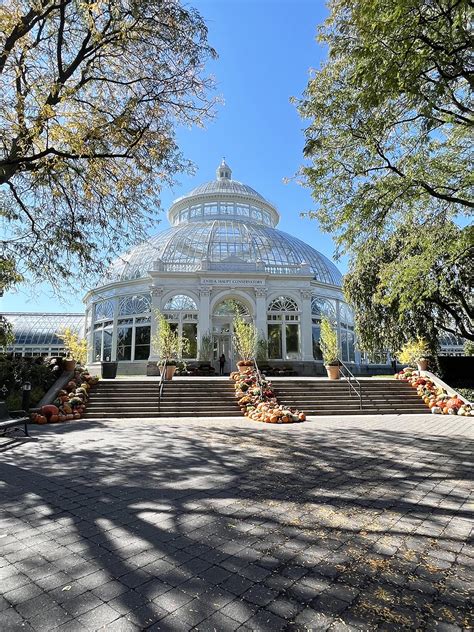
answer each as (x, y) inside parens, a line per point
(224, 186)
(216, 228)
(232, 245)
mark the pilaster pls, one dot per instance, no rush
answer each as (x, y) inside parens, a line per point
(306, 326)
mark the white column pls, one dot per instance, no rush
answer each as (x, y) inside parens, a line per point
(338, 327)
(156, 294)
(204, 317)
(113, 351)
(261, 311)
(306, 327)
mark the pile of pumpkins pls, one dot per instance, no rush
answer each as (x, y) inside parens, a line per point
(257, 401)
(435, 397)
(70, 402)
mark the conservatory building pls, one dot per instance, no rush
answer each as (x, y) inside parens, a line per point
(222, 253)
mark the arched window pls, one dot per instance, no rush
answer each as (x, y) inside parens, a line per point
(231, 307)
(135, 304)
(180, 302)
(182, 313)
(133, 327)
(320, 307)
(283, 329)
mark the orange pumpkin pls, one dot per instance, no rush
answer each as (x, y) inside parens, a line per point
(41, 419)
(53, 419)
(454, 402)
(302, 417)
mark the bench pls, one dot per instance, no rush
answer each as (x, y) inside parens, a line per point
(14, 419)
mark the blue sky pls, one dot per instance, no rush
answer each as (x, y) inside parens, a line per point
(266, 49)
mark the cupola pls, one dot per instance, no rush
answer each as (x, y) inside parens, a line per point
(223, 171)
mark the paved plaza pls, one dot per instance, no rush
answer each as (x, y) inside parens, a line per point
(358, 523)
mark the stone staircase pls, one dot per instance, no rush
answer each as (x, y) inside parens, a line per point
(181, 398)
(324, 397)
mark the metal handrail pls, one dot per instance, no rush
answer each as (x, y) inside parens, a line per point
(161, 385)
(350, 378)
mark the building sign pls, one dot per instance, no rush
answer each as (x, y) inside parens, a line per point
(234, 282)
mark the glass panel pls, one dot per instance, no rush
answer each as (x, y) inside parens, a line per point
(107, 352)
(292, 339)
(97, 345)
(344, 345)
(351, 346)
(317, 355)
(190, 333)
(274, 341)
(124, 343)
(142, 343)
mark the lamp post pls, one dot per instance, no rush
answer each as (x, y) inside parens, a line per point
(25, 399)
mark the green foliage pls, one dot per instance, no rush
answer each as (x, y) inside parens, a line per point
(14, 372)
(469, 348)
(414, 351)
(90, 98)
(166, 342)
(245, 338)
(328, 343)
(414, 283)
(206, 349)
(389, 142)
(76, 347)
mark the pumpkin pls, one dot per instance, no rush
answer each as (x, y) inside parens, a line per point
(77, 415)
(454, 402)
(302, 417)
(41, 419)
(53, 419)
(49, 410)
(69, 416)
(61, 417)
(436, 410)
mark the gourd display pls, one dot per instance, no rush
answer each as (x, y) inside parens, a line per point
(70, 402)
(434, 396)
(257, 400)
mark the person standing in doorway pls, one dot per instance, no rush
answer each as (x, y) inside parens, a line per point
(221, 364)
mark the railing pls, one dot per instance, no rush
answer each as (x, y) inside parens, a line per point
(161, 385)
(354, 384)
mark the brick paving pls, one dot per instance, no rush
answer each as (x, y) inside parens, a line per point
(337, 524)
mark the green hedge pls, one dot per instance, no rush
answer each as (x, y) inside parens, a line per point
(14, 372)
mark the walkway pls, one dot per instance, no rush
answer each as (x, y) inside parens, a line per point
(340, 524)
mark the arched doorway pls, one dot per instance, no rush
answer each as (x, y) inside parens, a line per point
(222, 329)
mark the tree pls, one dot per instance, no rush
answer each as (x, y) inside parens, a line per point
(76, 347)
(91, 92)
(389, 144)
(417, 282)
(167, 343)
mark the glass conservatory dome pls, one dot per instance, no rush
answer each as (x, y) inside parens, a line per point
(223, 225)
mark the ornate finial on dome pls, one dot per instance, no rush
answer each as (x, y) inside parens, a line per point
(224, 172)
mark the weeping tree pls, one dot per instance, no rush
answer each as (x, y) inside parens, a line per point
(91, 92)
(389, 149)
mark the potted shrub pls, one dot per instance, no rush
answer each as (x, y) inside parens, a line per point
(245, 342)
(329, 349)
(415, 352)
(168, 345)
(76, 349)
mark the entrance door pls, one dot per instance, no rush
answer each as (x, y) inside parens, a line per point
(223, 345)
